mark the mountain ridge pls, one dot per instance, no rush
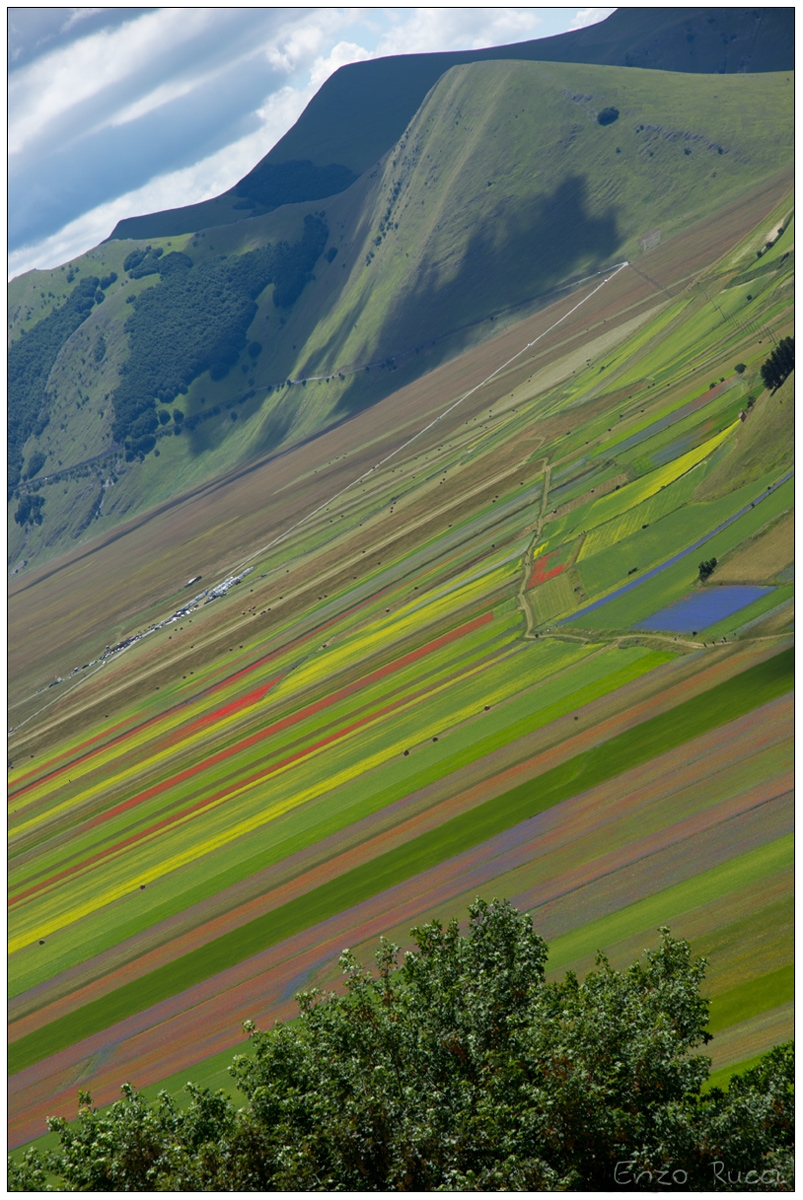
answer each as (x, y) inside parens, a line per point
(505, 186)
(364, 107)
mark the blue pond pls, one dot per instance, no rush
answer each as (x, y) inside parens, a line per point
(700, 609)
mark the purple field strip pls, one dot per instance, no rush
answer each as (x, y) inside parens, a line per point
(759, 815)
(672, 418)
(173, 1041)
(676, 448)
(255, 987)
(440, 799)
(628, 587)
(752, 1037)
(701, 609)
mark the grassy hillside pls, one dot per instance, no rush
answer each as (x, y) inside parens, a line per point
(363, 109)
(460, 674)
(504, 187)
(761, 445)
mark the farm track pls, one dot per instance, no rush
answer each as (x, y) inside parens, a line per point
(528, 554)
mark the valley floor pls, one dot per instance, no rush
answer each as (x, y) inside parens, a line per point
(465, 672)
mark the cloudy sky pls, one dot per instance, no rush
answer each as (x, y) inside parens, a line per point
(120, 111)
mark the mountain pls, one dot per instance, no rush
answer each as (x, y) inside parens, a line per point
(426, 541)
(141, 368)
(363, 108)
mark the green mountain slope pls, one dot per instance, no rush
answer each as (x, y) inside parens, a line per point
(504, 186)
(364, 108)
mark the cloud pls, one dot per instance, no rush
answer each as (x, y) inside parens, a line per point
(200, 181)
(73, 88)
(32, 30)
(427, 29)
(339, 56)
(103, 117)
(189, 127)
(114, 112)
(590, 16)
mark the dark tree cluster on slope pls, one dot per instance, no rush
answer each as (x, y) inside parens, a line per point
(458, 1069)
(195, 320)
(780, 364)
(35, 463)
(294, 268)
(142, 262)
(29, 510)
(30, 361)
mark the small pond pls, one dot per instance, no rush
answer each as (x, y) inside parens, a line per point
(702, 608)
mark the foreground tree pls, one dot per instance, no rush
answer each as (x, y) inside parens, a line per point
(459, 1068)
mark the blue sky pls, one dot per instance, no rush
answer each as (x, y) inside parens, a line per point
(119, 111)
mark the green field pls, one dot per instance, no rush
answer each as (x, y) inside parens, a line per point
(754, 687)
(667, 906)
(383, 719)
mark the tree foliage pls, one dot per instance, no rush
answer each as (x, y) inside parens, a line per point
(30, 361)
(780, 364)
(29, 509)
(142, 262)
(295, 263)
(457, 1068)
(196, 319)
(35, 463)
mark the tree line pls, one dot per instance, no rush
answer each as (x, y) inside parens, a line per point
(780, 364)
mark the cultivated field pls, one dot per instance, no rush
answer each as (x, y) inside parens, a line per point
(440, 691)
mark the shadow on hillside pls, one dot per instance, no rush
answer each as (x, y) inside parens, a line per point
(274, 417)
(277, 425)
(509, 261)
